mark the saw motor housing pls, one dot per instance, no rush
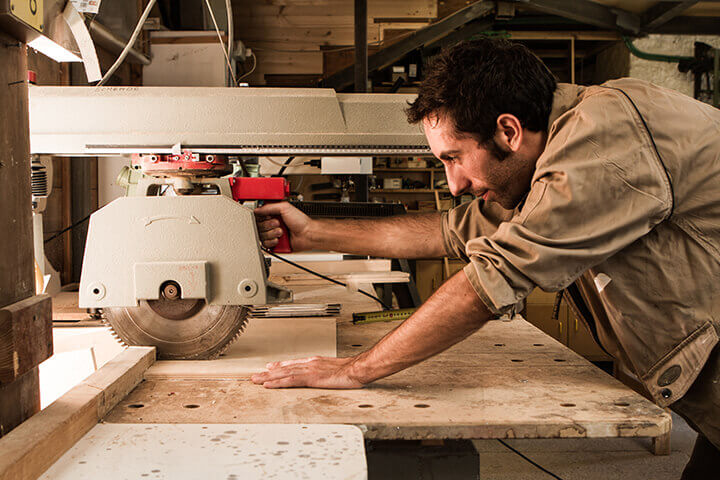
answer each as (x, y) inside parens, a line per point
(175, 264)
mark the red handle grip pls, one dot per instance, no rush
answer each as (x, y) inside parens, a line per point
(283, 245)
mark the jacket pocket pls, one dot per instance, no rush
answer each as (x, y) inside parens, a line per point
(670, 378)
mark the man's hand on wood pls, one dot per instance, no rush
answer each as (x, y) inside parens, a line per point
(315, 372)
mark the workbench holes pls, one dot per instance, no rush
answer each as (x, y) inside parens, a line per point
(499, 344)
(567, 405)
(559, 359)
(365, 405)
(516, 360)
(191, 405)
(136, 405)
(421, 405)
(622, 404)
(538, 344)
(356, 345)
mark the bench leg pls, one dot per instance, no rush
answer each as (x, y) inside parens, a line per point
(661, 444)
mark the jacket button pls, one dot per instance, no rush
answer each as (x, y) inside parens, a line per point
(666, 393)
(669, 376)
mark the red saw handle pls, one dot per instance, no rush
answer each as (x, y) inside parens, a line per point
(283, 245)
(268, 189)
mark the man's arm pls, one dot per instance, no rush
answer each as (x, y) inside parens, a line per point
(402, 236)
(450, 315)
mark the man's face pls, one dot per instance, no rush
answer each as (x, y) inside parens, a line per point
(471, 168)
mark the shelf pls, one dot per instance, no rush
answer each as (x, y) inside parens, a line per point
(383, 169)
(410, 190)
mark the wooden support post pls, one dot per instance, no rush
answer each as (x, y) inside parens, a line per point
(572, 59)
(20, 398)
(361, 52)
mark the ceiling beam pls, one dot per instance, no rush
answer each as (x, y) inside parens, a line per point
(424, 36)
(662, 12)
(588, 12)
(691, 26)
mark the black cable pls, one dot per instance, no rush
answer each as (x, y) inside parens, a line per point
(66, 229)
(530, 461)
(324, 277)
(285, 165)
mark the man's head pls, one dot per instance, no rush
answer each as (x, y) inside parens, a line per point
(484, 106)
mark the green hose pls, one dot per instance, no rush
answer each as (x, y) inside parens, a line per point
(655, 57)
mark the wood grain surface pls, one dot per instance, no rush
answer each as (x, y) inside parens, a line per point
(509, 380)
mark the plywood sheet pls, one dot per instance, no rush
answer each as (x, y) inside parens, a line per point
(65, 307)
(509, 380)
(265, 340)
(227, 451)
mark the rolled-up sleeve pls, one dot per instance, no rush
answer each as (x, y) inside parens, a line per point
(599, 186)
(471, 220)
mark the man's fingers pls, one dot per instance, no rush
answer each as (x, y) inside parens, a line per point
(286, 363)
(271, 234)
(286, 382)
(268, 224)
(271, 209)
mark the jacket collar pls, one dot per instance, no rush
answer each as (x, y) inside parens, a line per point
(565, 97)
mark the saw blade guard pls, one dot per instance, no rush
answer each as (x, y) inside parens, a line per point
(205, 245)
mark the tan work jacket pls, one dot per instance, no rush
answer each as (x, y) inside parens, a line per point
(624, 209)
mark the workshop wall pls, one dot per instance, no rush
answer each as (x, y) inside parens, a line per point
(288, 36)
(617, 61)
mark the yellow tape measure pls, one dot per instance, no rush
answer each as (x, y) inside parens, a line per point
(383, 316)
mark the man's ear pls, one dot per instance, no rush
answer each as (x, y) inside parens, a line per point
(509, 132)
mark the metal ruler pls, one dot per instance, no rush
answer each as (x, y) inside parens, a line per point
(383, 316)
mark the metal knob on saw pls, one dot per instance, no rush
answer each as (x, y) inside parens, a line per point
(268, 189)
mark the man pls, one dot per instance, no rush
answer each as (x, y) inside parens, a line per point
(610, 192)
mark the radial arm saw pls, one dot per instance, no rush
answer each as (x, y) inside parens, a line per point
(176, 263)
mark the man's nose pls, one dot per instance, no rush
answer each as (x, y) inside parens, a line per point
(457, 182)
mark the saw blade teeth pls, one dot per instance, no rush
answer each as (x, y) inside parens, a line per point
(114, 334)
(240, 331)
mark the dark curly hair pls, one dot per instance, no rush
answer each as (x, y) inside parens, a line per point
(476, 81)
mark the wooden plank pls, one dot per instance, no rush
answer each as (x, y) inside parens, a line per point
(598, 36)
(339, 8)
(334, 267)
(25, 336)
(65, 307)
(349, 278)
(36, 444)
(265, 340)
(464, 392)
(328, 35)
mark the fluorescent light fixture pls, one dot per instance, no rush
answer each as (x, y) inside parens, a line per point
(53, 50)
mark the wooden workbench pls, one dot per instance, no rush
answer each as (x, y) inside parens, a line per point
(509, 380)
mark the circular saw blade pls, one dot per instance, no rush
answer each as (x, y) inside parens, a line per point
(180, 329)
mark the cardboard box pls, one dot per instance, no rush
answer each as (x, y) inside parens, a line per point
(417, 163)
(392, 183)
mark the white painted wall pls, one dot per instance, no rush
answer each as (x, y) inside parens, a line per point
(663, 73)
(186, 64)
